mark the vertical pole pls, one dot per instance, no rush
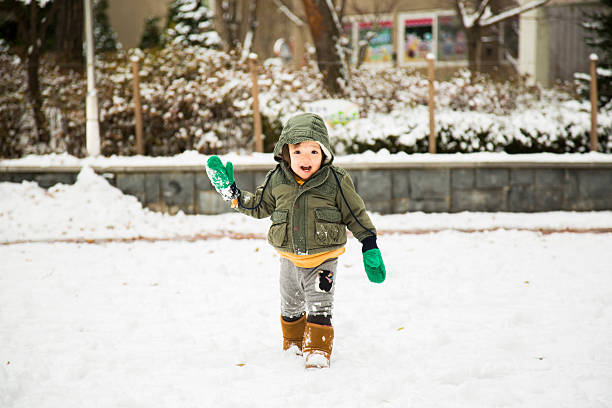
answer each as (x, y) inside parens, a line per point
(255, 92)
(431, 103)
(137, 107)
(394, 40)
(92, 129)
(594, 102)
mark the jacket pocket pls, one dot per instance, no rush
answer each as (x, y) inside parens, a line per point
(277, 235)
(328, 227)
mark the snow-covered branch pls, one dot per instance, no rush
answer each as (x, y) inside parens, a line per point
(513, 61)
(41, 3)
(334, 15)
(250, 34)
(470, 18)
(290, 14)
(246, 48)
(512, 12)
(482, 8)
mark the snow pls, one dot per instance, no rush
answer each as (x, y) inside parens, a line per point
(41, 3)
(192, 158)
(544, 127)
(105, 303)
(485, 17)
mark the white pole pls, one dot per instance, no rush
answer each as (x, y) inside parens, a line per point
(92, 130)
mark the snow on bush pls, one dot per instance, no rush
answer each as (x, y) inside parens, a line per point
(12, 105)
(559, 128)
(200, 99)
(190, 23)
(201, 103)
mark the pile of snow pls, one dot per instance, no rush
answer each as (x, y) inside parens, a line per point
(92, 209)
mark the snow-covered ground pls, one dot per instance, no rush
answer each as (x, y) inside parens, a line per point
(168, 311)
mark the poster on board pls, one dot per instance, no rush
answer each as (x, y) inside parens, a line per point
(452, 42)
(418, 38)
(380, 48)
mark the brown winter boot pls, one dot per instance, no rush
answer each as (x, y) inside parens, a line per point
(293, 333)
(318, 341)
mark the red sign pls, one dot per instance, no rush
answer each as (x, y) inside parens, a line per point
(419, 22)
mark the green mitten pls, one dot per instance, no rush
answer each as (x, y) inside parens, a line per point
(374, 265)
(222, 178)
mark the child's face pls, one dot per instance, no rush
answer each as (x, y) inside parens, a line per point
(306, 158)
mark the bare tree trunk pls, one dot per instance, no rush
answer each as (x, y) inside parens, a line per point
(32, 22)
(32, 58)
(229, 14)
(326, 36)
(69, 34)
(473, 35)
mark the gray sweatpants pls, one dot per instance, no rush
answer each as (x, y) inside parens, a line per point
(300, 292)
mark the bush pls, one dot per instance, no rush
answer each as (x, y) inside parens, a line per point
(12, 107)
(562, 128)
(204, 103)
(201, 104)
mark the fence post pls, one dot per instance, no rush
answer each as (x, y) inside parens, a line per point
(137, 107)
(594, 142)
(431, 103)
(255, 93)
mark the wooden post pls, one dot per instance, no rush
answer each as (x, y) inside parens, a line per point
(431, 103)
(594, 102)
(255, 93)
(137, 107)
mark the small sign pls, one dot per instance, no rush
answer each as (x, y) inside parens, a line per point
(334, 111)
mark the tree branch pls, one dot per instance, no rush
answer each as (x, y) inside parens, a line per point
(469, 19)
(290, 14)
(512, 12)
(340, 9)
(482, 7)
(334, 15)
(250, 35)
(49, 19)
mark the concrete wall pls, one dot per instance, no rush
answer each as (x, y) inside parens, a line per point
(391, 188)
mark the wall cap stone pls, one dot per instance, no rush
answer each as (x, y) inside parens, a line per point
(15, 167)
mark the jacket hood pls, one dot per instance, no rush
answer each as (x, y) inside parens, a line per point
(303, 127)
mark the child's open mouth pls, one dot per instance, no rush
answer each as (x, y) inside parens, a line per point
(306, 168)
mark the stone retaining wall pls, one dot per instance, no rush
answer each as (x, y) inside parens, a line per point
(385, 187)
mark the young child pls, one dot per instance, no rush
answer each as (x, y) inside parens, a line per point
(310, 203)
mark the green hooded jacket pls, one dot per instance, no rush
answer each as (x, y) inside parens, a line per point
(309, 218)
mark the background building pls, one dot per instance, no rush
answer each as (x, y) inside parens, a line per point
(128, 18)
(547, 43)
